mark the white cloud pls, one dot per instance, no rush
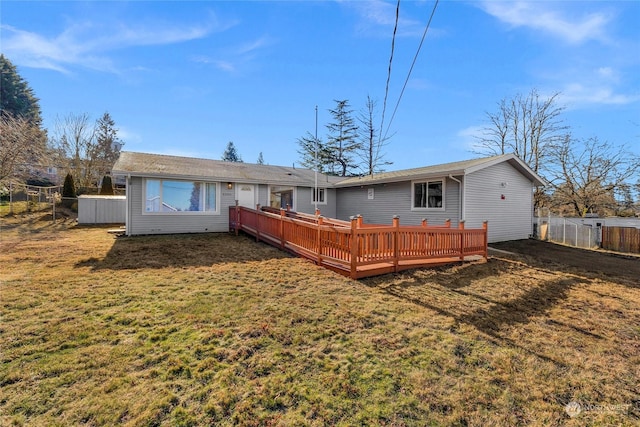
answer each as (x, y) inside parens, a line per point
(379, 17)
(87, 44)
(577, 95)
(254, 45)
(468, 137)
(235, 57)
(129, 137)
(541, 16)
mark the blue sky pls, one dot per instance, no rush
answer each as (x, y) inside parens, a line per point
(186, 77)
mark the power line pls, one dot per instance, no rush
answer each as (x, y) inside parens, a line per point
(424, 34)
(386, 91)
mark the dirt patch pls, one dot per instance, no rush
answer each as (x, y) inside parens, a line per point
(560, 257)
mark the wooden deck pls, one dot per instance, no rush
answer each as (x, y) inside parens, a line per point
(360, 250)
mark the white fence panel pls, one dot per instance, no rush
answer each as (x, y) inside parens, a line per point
(570, 231)
(102, 209)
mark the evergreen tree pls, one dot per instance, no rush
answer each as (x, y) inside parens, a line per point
(314, 153)
(22, 139)
(260, 159)
(16, 97)
(106, 189)
(342, 140)
(231, 154)
(336, 156)
(68, 191)
(108, 144)
(69, 187)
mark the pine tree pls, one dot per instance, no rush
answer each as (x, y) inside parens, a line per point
(106, 189)
(260, 159)
(337, 155)
(108, 144)
(314, 154)
(68, 191)
(22, 139)
(16, 97)
(342, 139)
(231, 154)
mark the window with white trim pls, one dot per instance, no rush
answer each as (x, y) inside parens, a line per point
(176, 196)
(428, 195)
(282, 197)
(318, 195)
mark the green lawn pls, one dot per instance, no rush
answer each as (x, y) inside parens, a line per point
(219, 330)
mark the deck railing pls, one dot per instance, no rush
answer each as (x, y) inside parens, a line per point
(356, 249)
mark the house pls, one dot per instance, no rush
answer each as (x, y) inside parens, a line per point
(170, 194)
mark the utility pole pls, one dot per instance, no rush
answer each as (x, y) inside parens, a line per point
(315, 195)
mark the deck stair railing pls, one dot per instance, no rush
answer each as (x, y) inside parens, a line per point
(356, 249)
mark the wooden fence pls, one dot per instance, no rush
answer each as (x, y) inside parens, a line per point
(621, 239)
(360, 250)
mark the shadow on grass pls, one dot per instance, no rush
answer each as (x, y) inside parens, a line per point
(492, 316)
(181, 250)
(623, 269)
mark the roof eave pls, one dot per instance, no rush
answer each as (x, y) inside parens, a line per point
(158, 175)
(404, 178)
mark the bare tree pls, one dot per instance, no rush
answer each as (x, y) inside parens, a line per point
(590, 176)
(529, 126)
(18, 152)
(74, 140)
(371, 153)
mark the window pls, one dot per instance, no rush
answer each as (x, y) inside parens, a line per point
(318, 195)
(428, 195)
(169, 196)
(280, 197)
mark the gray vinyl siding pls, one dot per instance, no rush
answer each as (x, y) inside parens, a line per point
(395, 199)
(305, 205)
(509, 218)
(140, 223)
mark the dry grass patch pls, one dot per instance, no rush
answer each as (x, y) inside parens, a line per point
(220, 330)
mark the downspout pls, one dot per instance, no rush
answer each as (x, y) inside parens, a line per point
(127, 223)
(460, 198)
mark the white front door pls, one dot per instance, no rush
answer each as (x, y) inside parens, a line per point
(246, 196)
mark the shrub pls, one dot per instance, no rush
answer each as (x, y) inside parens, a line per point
(106, 189)
(68, 191)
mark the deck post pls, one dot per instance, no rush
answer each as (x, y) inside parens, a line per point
(485, 227)
(238, 223)
(258, 222)
(317, 212)
(359, 218)
(447, 222)
(424, 223)
(319, 239)
(282, 215)
(461, 228)
(396, 241)
(354, 247)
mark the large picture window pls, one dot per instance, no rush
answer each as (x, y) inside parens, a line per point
(173, 196)
(428, 195)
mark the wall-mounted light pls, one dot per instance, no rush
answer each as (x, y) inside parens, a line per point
(504, 184)
(229, 186)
